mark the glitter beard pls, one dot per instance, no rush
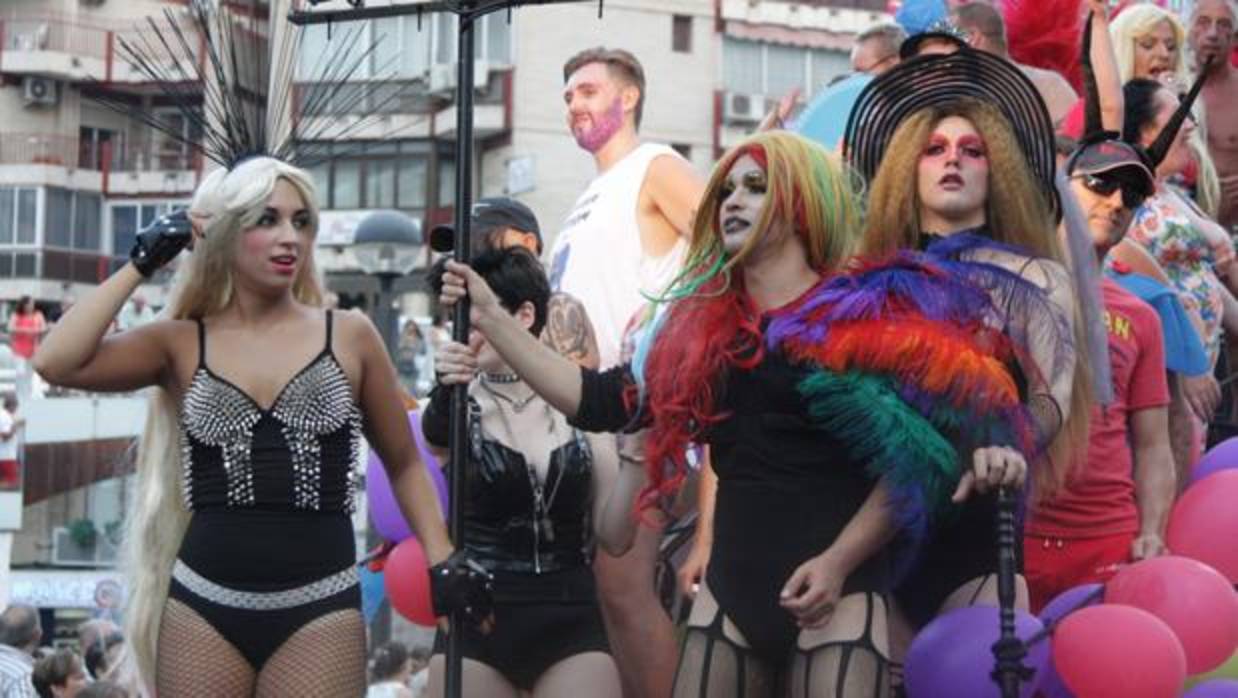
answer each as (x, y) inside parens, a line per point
(605, 125)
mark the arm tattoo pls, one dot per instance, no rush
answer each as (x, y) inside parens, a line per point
(569, 332)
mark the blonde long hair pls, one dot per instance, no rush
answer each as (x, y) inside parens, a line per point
(1017, 213)
(231, 201)
(1127, 28)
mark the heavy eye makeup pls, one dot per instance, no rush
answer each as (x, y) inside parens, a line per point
(754, 182)
(969, 146)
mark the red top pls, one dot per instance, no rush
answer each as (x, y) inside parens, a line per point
(1099, 497)
(25, 332)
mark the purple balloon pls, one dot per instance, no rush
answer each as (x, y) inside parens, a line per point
(1223, 456)
(953, 656)
(1216, 688)
(1069, 600)
(384, 512)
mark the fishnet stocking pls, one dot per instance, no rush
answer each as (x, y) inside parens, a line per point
(849, 657)
(194, 660)
(711, 665)
(325, 658)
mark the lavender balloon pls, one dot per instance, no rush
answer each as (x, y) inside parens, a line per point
(1069, 600)
(1217, 688)
(1223, 456)
(384, 512)
(953, 656)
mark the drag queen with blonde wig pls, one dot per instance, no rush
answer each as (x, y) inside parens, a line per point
(980, 205)
(240, 547)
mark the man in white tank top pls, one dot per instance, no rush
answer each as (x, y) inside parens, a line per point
(624, 240)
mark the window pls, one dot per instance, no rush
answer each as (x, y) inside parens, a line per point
(91, 149)
(681, 33)
(8, 212)
(784, 69)
(446, 182)
(87, 215)
(127, 219)
(373, 175)
(27, 205)
(413, 182)
(57, 224)
(754, 67)
(743, 65)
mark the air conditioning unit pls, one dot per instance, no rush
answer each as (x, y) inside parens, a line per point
(443, 76)
(67, 553)
(743, 107)
(41, 91)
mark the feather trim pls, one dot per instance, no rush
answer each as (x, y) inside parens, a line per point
(894, 441)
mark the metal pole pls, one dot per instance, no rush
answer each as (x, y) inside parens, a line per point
(386, 321)
(1008, 671)
(460, 324)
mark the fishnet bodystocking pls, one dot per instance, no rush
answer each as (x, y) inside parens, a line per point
(194, 660)
(324, 659)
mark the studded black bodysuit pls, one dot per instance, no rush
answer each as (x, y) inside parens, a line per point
(270, 545)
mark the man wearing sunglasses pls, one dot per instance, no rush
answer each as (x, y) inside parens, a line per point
(1115, 504)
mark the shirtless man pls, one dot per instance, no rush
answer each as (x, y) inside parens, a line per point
(624, 238)
(1212, 37)
(986, 30)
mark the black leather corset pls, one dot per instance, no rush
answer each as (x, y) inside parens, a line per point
(505, 526)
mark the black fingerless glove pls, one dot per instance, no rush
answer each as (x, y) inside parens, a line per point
(461, 584)
(160, 242)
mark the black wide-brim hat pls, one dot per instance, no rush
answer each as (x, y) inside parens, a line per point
(933, 80)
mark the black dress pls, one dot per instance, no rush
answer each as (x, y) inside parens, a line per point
(785, 493)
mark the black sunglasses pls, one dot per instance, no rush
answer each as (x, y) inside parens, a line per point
(1133, 195)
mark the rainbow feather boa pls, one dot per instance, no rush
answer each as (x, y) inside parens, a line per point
(908, 373)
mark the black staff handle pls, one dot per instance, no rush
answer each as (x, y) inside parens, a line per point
(1009, 671)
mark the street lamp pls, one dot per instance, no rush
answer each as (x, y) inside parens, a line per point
(387, 245)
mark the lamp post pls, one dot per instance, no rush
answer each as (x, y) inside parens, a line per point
(386, 245)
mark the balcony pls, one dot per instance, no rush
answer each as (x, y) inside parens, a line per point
(59, 47)
(146, 167)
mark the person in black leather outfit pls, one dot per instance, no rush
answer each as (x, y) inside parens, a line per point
(535, 488)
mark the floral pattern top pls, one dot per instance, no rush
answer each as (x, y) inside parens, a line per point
(1191, 262)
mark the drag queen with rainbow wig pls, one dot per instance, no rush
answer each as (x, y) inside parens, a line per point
(747, 346)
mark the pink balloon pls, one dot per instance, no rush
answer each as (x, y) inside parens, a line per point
(1193, 599)
(384, 511)
(406, 578)
(1112, 651)
(1204, 523)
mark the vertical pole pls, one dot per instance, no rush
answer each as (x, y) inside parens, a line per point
(460, 323)
(1008, 652)
(386, 321)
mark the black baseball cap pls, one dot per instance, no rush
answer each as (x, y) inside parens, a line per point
(488, 215)
(1110, 155)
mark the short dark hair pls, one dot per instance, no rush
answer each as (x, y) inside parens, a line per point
(19, 625)
(96, 654)
(985, 20)
(889, 34)
(387, 660)
(54, 670)
(621, 64)
(514, 275)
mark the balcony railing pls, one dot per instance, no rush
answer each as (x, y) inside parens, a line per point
(82, 153)
(38, 149)
(29, 32)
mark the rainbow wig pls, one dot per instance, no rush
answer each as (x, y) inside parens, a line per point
(705, 324)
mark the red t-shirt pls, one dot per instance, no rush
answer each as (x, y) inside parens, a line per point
(1099, 498)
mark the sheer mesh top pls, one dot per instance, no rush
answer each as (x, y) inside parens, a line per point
(298, 454)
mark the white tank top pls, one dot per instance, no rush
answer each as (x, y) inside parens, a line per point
(598, 257)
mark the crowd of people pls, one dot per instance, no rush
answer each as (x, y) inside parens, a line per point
(1008, 277)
